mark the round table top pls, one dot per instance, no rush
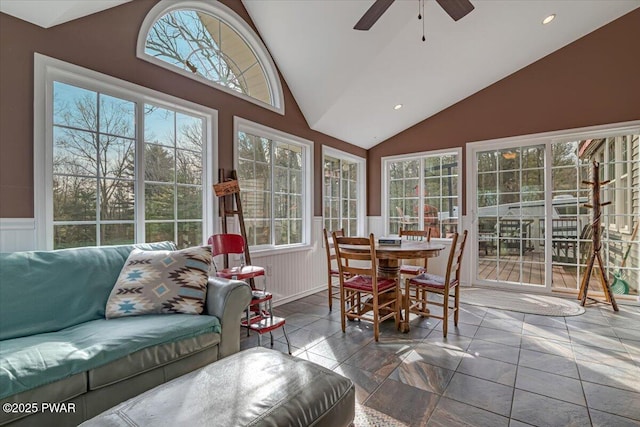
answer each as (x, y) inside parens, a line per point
(408, 249)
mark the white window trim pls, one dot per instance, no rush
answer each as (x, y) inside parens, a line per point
(412, 156)
(234, 21)
(543, 138)
(362, 187)
(243, 125)
(46, 70)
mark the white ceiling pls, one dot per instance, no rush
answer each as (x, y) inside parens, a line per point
(47, 13)
(346, 82)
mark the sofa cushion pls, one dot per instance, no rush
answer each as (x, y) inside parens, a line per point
(46, 291)
(161, 282)
(150, 358)
(32, 361)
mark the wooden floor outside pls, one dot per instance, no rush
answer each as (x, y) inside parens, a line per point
(530, 269)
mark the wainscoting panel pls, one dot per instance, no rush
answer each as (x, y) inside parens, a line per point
(17, 234)
(295, 274)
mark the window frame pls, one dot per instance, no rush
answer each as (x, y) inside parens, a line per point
(386, 178)
(234, 21)
(46, 71)
(360, 185)
(243, 125)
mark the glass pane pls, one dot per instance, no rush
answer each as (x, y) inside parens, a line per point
(281, 232)
(295, 182)
(74, 152)
(295, 231)
(432, 166)
(190, 202)
(532, 157)
(117, 157)
(245, 149)
(117, 116)
(116, 200)
(281, 180)
(188, 167)
(450, 164)
(432, 187)
(159, 125)
(73, 236)
(281, 208)
(75, 107)
(159, 201)
(189, 132)
(74, 199)
(189, 234)
(295, 207)
(263, 177)
(117, 234)
(159, 163)
(487, 161)
(260, 232)
(159, 232)
(509, 159)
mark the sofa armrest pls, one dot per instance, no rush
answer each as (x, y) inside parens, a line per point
(227, 299)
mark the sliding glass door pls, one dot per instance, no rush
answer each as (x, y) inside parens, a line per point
(531, 228)
(510, 208)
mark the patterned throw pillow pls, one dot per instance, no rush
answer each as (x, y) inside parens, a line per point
(154, 282)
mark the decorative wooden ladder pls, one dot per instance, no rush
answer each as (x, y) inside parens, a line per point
(226, 189)
(259, 315)
(597, 245)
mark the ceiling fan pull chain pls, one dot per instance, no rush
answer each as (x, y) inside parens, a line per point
(419, 14)
(423, 38)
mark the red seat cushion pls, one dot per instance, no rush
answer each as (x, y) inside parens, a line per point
(241, 273)
(428, 280)
(364, 283)
(411, 269)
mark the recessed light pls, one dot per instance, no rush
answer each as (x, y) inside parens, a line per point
(397, 106)
(548, 19)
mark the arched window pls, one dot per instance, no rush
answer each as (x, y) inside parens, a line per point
(210, 43)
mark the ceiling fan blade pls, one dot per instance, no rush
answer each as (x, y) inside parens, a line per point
(373, 14)
(456, 8)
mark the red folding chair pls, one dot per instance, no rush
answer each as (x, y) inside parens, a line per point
(259, 314)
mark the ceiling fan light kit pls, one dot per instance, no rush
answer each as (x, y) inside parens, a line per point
(456, 9)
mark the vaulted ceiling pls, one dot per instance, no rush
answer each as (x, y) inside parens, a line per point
(347, 82)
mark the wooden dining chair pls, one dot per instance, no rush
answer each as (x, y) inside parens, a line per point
(332, 272)
(416, 288)
(420, 235)
(375, 299)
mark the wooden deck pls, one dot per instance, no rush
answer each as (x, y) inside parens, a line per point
(530, 269)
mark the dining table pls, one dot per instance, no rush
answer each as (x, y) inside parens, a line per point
(389, 257)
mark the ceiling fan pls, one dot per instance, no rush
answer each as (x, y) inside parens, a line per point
(456, 9)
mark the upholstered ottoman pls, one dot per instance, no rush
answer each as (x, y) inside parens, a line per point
(256, 387)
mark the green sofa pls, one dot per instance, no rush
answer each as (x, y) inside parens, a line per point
(56, 345)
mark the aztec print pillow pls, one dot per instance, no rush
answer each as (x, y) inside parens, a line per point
(155, 282)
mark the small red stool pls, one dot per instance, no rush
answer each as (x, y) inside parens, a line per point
(259, 313)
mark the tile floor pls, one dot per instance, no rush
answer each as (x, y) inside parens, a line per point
(498, 368)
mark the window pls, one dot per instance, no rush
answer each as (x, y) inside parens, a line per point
(422, 191)
(343, 192)
(274, 173)
(210, 43)
(120, 163)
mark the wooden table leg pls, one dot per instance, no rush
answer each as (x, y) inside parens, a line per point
(390, 268)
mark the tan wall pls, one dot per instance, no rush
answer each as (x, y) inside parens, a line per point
(106, 42)
(593, 81)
